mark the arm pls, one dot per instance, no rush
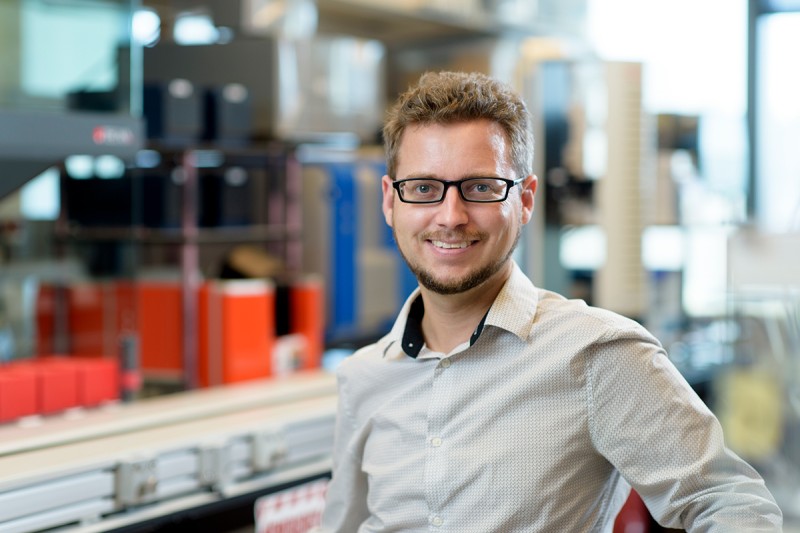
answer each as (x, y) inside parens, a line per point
(648, 422)
(346, 498)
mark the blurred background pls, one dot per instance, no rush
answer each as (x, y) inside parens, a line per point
(190, 190)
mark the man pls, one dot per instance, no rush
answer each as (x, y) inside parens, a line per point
(496, 406)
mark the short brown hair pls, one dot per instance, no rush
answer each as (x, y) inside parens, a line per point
(447, 97)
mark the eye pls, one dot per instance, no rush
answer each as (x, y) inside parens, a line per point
(483, 186)
(425, 188)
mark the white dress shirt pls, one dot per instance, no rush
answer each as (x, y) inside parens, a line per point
(541, 422)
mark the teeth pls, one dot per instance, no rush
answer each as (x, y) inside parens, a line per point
(440, 244)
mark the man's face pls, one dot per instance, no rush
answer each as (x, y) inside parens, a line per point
(454, 246)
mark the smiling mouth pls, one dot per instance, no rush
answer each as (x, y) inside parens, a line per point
(450, 245)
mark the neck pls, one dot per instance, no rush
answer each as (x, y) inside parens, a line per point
(450, 319)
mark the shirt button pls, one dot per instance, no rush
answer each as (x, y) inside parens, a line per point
(445, 363)
(436, 442)
(437, 521)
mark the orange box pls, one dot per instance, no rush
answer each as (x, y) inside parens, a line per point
(91, 318)
(18, 389)
(160, 327)
(307, 308)
(236, 325)
(95, 315)
(100, 314)
(57, 379)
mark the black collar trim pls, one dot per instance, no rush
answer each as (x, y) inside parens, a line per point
(413, 340)
(412, 336)
(478, 330)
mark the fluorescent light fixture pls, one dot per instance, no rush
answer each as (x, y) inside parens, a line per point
(195, 29)
(663, 248)
(583, 248)
(705, 271)
(146, 27)
(80, 167)
(109, 167)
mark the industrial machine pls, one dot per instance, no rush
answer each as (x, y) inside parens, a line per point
(131, 467)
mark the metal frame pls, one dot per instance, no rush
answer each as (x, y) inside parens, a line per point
(32, 141)
(126, 464)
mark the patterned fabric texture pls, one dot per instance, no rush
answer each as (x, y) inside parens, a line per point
(541, 425)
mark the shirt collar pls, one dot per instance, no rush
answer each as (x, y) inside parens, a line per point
(515, 307)
(413, 340)
(512, 310)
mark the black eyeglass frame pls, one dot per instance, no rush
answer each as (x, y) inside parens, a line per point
(457, 183)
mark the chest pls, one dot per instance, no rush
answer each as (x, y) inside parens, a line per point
(512, 414)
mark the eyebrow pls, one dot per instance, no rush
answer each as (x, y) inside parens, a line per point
(466, 177)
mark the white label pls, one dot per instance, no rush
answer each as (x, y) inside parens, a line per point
(293, 510)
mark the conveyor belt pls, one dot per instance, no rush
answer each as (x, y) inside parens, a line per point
(135, 462)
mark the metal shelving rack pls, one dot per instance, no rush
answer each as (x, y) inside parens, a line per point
(277, 225)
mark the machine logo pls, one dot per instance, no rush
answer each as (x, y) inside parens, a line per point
(113, 136)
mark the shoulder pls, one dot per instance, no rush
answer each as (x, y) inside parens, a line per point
(372, 363)
(540, 316)
(585, 324)
(366, 355)
(378, 376)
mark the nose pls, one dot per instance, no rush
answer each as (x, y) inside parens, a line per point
(452, 212)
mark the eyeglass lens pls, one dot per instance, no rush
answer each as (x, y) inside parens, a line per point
(472, 189)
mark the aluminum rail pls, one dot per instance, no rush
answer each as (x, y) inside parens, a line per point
(112, 468)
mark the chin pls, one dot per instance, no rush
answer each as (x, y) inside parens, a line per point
(460, 284)
(455, 286)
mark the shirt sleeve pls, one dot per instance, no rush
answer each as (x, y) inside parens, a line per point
(646, 420)
(346, 497)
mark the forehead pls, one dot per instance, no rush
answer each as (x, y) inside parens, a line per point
(454, 150)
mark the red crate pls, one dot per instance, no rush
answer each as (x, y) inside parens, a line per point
(17, 391)
(98, 380)
(57, 379)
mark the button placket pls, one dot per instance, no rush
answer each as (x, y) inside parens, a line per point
(437, 462)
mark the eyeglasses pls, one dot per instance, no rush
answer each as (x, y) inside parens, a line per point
(431, 191)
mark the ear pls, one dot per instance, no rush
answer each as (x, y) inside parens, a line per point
(388, 199)
(527, 192)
